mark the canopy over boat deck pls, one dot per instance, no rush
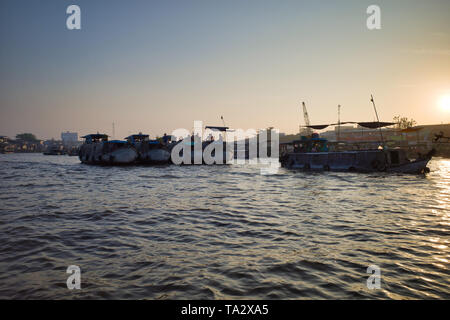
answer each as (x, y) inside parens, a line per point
(370, 125)
(137, 138)
(90, 138)
(217, 128)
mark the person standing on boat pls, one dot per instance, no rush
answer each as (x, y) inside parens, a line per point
(165, 139)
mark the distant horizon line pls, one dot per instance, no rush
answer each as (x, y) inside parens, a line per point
(284, 133)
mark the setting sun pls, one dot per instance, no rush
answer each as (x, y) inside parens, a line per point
(444, 102)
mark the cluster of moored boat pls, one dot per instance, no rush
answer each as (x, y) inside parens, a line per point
(137, 148)
(140, 149)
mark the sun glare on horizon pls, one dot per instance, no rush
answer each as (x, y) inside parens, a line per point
(444, 102)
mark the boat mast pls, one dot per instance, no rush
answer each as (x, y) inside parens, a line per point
(224, 125)
(339, 124)
(378, 120)
(306, 117)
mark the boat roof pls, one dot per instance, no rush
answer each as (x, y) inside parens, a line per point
(117, 141)
(370, 125)
(95, 136)
(139, 135)
(217, 128)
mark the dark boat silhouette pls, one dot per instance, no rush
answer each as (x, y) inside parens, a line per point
(312, 153)
(98, 150)
(149, 151)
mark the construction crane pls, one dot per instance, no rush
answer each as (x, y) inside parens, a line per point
(308, 130)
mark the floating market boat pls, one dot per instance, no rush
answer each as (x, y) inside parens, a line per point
(98, 150)
(312, 153)
(149, 151)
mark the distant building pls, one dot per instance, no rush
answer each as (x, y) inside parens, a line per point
(69, 138)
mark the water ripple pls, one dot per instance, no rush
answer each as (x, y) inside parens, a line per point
(218, 232)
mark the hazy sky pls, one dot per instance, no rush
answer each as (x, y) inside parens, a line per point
(154, 66)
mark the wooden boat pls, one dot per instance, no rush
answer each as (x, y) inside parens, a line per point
(312, 154)
(149, 151)
(98, 150)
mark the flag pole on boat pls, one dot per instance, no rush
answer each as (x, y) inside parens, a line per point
(339, 124)
(378, 119)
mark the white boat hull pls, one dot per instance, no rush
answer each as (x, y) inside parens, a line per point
(96, 153)
(120, 156)
(155, 156)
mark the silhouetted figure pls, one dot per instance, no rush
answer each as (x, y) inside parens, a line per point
(165, 139)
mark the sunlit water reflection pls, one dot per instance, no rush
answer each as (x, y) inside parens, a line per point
(206, 232)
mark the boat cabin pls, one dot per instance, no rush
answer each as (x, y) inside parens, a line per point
(92, 138)
(313, 144)
(113, 145)
(222, 132)
(397, 156)
(137, 138)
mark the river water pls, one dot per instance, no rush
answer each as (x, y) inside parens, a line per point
(220, 232)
